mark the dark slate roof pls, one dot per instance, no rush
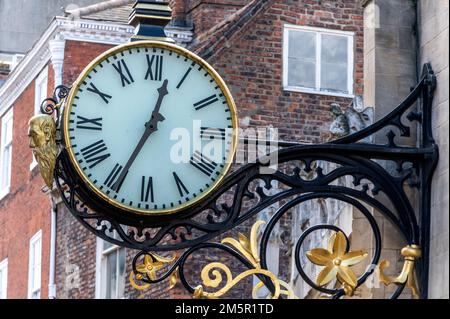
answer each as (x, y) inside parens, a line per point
(111, 10)
(206, 44)
(119, 14)
(212, 41)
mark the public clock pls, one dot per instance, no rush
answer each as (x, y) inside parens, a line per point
(149, 128)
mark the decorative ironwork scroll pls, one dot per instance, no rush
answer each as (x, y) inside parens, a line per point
(382, 172)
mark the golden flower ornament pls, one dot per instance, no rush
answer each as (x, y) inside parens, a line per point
(337, 263)
(152, 263)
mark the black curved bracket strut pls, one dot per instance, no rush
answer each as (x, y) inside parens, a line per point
(382, 173)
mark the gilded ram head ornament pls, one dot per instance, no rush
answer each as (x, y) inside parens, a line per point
(42, 140)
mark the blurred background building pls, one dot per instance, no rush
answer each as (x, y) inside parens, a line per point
(266, 52)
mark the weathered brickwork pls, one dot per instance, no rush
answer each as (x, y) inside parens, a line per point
(205, 14)
(26, 209)
(250, 61)
(251, 65)
(76, 246)
(75, 258)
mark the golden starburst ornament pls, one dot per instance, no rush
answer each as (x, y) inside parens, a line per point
(337, 262)
(152, 263)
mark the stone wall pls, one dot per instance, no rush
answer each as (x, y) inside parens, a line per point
(434, 38)
(389, 73)
(400, 36)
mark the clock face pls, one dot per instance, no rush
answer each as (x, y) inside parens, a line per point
(149, 127)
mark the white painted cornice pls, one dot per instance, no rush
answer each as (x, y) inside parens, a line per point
(62, 29)
(27, 70)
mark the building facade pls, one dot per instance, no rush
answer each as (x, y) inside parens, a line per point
(400, 36)
(285, 62)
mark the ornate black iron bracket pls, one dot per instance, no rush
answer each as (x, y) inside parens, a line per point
(381, 173)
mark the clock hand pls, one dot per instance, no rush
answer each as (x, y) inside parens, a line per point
(150, 127)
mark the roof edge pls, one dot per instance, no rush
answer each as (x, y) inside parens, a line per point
(94, 8)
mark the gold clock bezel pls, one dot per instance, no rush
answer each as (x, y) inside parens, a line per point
(179, 50)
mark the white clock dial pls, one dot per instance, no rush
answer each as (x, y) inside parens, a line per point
(149, 127)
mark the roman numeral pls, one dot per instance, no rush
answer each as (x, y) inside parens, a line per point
(147, 189)
(89, 124)
(203, 163)
(94, 89)
(154, 70)
(95, 153)
(184, 78)
(180, 185)
(205, 102)
(125, 78)
(212, 133)
(111, 180)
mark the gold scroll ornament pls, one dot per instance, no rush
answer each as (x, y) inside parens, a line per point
(248, 248)
(411, 253)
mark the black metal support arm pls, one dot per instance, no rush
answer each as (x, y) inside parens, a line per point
(382, 175)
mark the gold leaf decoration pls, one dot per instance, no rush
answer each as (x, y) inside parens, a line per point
(211, 274)
(337, 263)
(151, 264)
(411, 253)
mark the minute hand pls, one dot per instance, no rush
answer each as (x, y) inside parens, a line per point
(150, 127)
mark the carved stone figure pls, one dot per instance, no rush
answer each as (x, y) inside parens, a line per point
(42, 140)
(350, 121)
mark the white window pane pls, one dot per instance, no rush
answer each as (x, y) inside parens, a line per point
(334, 77)
(334, 49)
(302, 59)
(106, 245)
(40, 89)
(111, 275)
(3, 279)
(334, 63)
(301, 73)
(302, 45)
(8, 131)
(121, 274)
(36, 265)
(43, 89)
(34, 282)
(6, 168)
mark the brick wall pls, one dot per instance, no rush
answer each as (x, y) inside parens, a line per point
(251, 65)
(75, 258)
(26, 209)
(178, 12)
(205, 14)
(76, 246)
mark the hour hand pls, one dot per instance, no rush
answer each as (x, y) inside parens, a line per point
(157, 117)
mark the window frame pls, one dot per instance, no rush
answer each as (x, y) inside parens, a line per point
(101, 266)
(319, 32)
(8, 116)
(37, 238)
(41, 79)
(4, 280)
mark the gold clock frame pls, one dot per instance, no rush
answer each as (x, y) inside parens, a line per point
(179, 50)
